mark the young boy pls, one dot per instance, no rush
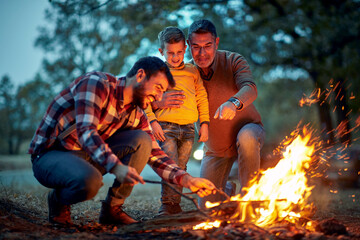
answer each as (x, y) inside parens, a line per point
(174, 127)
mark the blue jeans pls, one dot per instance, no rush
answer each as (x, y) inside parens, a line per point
(249, 142)
(76, 177)
(178, 146)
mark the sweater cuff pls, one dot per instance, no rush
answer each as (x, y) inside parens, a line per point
(154, 120)
(205, 122)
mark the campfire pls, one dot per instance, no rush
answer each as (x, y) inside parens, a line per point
(278, 194)
(276, 205)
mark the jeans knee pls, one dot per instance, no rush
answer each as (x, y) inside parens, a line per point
(246, 135)
(142, 140)
(90, 185)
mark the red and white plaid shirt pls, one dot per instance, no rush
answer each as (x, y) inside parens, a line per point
(94, 102)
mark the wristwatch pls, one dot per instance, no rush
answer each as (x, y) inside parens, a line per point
(236, 102)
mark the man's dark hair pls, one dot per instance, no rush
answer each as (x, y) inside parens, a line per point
(202, 26)
(151, 66)
(170, 35)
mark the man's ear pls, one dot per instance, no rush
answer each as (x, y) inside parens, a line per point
(140, 75)
(161, 52)
(217, 42)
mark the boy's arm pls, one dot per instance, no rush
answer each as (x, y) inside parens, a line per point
(201, 99)
(150, 114)
(156, 128)
(157, 131)
(203, 132)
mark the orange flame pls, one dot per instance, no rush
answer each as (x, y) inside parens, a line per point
(278, 193)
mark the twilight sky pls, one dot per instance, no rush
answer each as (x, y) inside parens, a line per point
(19, 20)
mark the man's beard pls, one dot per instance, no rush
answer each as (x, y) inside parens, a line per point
(139, 96)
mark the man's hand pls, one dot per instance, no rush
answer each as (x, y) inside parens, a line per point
(127, 174)
(203, 133)
(157, 131)
(201, 186)
(226, 111)
(172, 99)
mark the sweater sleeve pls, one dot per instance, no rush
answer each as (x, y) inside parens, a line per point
(244, 81)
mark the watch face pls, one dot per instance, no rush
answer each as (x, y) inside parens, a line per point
(236, 102)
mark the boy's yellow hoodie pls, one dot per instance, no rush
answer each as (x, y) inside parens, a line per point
(195, 105)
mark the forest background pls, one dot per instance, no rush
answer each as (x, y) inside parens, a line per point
(296, 49)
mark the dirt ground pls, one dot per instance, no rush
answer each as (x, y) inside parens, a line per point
(23, 215)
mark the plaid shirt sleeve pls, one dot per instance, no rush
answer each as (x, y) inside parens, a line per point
(89, 95)
(165, 167)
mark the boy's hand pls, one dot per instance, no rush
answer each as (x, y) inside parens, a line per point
(172, 99)
(157, 131)
(203, 133)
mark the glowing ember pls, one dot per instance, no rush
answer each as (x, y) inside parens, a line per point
(279, 193)
(207, 225)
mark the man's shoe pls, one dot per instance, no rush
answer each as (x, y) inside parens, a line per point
(114, 215)
(232, 188)
(169, 209)
(58, 213)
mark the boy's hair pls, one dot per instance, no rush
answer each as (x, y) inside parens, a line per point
(170, 35)
(152, 65)
(202, 26)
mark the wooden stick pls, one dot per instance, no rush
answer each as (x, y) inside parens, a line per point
(193, 200)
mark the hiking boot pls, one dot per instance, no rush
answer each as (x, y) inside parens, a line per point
(169, 209)
(58, 212)
(232, 188)
(114, 215)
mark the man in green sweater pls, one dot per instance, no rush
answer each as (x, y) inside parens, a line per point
(236, 132)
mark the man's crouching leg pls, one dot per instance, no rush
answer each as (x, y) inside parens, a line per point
(72, 178)
(133, 148)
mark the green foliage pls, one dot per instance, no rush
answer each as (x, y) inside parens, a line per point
(21, 110)
(84, 40)
(317, 40)
(314, 40)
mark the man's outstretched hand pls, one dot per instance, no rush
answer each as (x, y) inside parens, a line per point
(201, 186)
(226, 111)
(172, 99)
(127, 174)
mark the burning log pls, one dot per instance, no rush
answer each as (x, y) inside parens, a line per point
(169, 222)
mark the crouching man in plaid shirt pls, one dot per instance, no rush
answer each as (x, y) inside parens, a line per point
(97, 125)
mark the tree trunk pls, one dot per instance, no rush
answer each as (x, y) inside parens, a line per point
(326, 128)
(18, 145)
(10, 146)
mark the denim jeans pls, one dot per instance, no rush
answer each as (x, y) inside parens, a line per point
(249, 142)
(76, 177)
(178, 146)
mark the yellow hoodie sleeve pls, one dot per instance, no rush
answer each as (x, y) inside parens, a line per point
(201, 99)
(150, 114)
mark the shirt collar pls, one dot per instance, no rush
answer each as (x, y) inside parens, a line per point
(181, 66)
